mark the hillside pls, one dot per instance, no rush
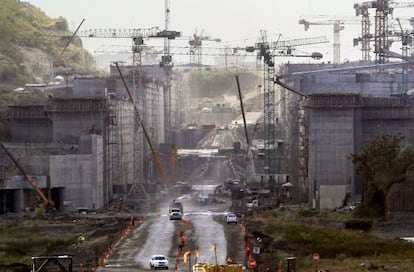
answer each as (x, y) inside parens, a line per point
(29, 43)
(218, 86)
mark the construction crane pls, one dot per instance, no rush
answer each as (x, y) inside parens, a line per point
(46, 202)
(137, 37)
(195, 43)
(338, 26)
(166, 62)
(196, 55)
(383, 9)
(266, 52)
(406, 40)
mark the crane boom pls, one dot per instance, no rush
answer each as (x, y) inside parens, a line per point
(120, 33)
(298, 42)
(32, 182)
(59, 57)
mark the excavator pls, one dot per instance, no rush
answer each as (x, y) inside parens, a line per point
(46, 202)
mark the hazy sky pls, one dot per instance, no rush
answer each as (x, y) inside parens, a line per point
(238, 21)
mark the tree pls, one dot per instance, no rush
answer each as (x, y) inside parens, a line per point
(381, 163)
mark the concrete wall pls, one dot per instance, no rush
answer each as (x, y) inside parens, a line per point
(332, 139)
(34, 131)
(91, 87)
(332, 196)
(78, 176)
(121, 145)
(337, 130)
(81, 176)
(67, 126)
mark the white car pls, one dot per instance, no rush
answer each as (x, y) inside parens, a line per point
(158, 262)
(231, 218)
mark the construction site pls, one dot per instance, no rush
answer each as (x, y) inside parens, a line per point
(127, 137)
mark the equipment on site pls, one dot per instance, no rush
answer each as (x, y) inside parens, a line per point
(46, 202)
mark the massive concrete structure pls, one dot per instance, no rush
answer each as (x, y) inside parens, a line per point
(341, 112)
(85, 145)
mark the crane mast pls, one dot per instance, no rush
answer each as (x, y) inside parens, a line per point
(338, 26)
(166, 62)
(380, 37)
(381, 43)
(266, 52)
(268, 106)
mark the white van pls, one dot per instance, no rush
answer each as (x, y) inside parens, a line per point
(175, 214)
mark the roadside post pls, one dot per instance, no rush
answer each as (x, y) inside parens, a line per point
(252, 263)
(316, 258)
(291, 264)
(187, 258)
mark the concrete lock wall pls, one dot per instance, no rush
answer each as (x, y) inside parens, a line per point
(332, 140)
(81, 176)
(92, 87)
(34, 131)
(78, 125)
(332, 196)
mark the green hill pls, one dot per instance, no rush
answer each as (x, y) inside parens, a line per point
(30, 41)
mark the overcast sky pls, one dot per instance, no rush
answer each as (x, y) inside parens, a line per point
(237, 21)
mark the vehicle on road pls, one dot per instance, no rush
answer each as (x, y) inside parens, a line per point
(231, 218)
(175, 204)
(175, 214)
(158, 262)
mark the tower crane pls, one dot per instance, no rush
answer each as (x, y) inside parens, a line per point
(338, 26)
(266, 52)
(383, 9)
(137, 36)
(195, 43)
(166, 62)
(196, 55)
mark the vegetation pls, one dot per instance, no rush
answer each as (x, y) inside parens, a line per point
(18, 243)
(30, 41)
(340, 249)
(381, 163)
